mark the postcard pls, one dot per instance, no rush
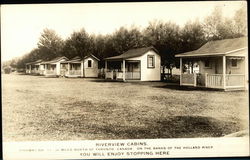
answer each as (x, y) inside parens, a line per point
(125, 80)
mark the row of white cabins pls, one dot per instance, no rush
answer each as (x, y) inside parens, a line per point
(62, 66)
(221, 64)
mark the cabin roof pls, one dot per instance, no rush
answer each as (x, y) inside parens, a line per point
(35, 62)
(218, 47)
(78, 59)
(75, 59)
(91, 55)
(132, 53)
(55, 60)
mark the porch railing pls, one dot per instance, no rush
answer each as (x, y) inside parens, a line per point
(119, 75)
(33, 71)
(74, 72)
(214, 80)
(188, 79)
(132, 75)
(50, 72)
(109, 75)
(63, 72)
(41, 72)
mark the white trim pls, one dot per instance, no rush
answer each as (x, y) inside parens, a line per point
(210, 54)
(123, 69)
(180, 71)
(92, 56)
(224, 67)
(199, 55)
(236, 50)
(234, 86)
(187, 84)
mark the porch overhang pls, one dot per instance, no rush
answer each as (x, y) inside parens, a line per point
(73, 61)
(200, 55)
(239, 51)
(116, 58)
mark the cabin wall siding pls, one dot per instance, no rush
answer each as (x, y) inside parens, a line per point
(240, 69)
(217, 66)
(93, 71)
(209, 70)
(149, 74)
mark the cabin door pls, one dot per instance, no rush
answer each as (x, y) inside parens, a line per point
(133, 70)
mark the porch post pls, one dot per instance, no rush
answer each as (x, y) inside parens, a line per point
(45, 68)
(192, 67)
(206, 80)
(180, 71)
(68, 68)
(195, 79)
(82, 67)
(123, 70)
(105, 70)
(30, 68)
(224, 71)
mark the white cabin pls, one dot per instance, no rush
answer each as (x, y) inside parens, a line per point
(142, 64)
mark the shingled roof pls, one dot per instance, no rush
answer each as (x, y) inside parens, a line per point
(36, 62)
(132, 53)
(218, 47)
(55, 60)
(78, 59)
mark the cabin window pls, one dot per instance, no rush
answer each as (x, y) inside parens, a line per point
(89, 63)
(234, 62)
(207, 64)
(151, 61)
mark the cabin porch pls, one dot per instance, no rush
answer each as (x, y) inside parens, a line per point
(220, 72)
(123, 70)
(50, 70)
(71, 69)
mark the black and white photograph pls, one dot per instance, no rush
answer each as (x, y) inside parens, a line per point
(125, 80)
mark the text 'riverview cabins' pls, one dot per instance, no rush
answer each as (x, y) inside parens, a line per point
(143, 64)
(222, 64)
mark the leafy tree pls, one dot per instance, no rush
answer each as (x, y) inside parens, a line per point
(212, 23)
(165, 38)
(125, 39)
(78, 44)
(218, 27)
(49, 45)
(227, 29)
(240, 19)
(192, 36)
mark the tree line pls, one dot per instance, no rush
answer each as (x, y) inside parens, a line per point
(167, 37)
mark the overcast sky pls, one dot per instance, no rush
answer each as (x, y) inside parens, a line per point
(21, 25)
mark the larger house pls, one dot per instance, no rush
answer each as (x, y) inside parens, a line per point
(222, 64)
(142, 64)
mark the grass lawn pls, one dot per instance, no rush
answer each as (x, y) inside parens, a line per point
(38, 108)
